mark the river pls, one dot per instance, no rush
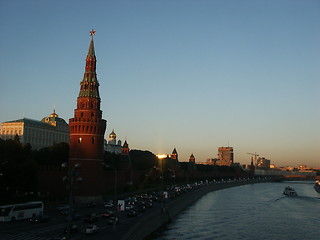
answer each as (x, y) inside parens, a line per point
(250, 212)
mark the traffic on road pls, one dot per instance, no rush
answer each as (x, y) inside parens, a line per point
(93, 219)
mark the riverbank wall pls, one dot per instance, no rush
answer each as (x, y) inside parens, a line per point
(159, 217)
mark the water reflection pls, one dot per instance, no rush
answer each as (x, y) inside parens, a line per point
(256, 211)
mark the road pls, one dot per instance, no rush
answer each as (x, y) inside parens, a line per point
(54, 228)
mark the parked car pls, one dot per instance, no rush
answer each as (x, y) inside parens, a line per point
(73, 229)
(107, 214)
(141, 208)
(148, 204)
(128, 207)
(91, 229)
(113, 220)
(132, 213)
(90, 218)
(108, 205)
(73, 217)
(91, 204)
(40, 219)
(63, 207)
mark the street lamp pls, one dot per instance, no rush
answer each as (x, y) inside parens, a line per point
(173, 176)
(2, 164)
(115, 200)
(71, 179)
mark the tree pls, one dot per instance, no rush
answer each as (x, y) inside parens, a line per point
(143, 160)
(54, 155)
(18, 169)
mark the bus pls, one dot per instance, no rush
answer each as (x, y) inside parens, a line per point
(20, 211)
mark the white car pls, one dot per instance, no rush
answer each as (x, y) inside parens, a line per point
(129, 207)
(108, 204)
(91, 229)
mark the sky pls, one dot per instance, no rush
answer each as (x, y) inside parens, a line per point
(185, 74)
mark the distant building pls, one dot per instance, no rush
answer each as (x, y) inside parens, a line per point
(263, 163)
(302, 167)
(212, 161)
(39, 134)
(113, 146)
(225, 155)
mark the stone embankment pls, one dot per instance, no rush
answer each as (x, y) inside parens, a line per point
(159, 217)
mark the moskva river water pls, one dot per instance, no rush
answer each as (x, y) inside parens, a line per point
(250, 212)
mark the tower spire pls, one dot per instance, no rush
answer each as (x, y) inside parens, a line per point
(89, 84)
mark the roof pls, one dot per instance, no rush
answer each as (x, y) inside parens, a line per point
(91, 48)
(174, 151)
(89, 84)
(125, 145)
(30, 122)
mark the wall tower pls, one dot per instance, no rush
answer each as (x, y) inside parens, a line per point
(174, 154)
(87, 130)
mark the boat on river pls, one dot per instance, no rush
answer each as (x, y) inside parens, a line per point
(289, 191)
(317, 186)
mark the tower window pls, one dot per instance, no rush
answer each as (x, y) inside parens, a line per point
(93, 140)
(79, 140)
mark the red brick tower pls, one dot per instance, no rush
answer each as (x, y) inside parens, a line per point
(125, 148)
(87, 130)
(174, 154)
(192, 162)
(192, 159)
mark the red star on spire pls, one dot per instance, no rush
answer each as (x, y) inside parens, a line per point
(92, 33)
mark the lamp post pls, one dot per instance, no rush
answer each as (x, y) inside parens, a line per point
(115, 197)
(71, 180)
(162, 186)
(2, 164)
(173, 176)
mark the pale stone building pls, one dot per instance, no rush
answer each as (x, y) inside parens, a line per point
(39, 134)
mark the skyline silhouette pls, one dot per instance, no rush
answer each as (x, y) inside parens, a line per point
(190, 75)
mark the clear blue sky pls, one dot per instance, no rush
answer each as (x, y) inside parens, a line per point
(193, 75)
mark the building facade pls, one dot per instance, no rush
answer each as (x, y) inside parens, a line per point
(225, 156)
(87, 130)
(39, 134)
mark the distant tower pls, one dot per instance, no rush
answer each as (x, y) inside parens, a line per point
(125, 148)
(125, 162)
(174, 154)
(87, 130)
(192, 162)
(192, 159)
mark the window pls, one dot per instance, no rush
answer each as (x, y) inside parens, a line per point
(93, 140)
(79, 140)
